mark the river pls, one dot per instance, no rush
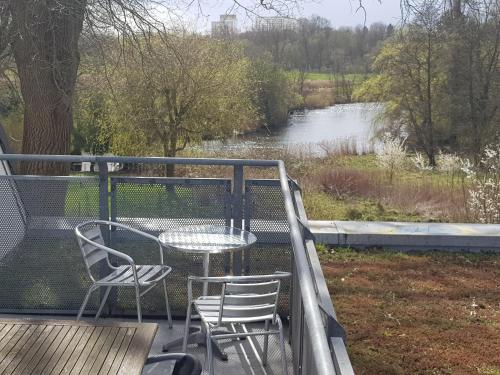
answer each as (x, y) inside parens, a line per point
(316, 128)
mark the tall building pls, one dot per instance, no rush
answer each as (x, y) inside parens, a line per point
(275, 23)
(227, 24)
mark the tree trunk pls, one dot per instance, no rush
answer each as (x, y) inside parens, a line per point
(46, 53)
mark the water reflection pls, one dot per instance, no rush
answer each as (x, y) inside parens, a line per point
(320, 128)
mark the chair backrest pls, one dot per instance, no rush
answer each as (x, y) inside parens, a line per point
(86, 234)
(249, 301)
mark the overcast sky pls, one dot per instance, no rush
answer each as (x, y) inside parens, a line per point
(339, 12)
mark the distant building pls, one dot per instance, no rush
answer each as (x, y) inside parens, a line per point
(275, 23)
(227, 24)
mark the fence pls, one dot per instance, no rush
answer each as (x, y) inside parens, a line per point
(41, 270)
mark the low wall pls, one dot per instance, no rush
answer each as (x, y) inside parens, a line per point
(408, 236)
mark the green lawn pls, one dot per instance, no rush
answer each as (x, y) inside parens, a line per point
(137, 200)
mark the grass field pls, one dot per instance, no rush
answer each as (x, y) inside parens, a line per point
(322, 76)
(417, 313)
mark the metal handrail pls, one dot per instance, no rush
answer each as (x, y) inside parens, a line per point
(139, 160)
(316, 330)
(317, 333)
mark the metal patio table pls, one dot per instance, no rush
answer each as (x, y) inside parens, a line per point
(205, 240)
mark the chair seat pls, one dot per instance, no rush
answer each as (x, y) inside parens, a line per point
(208, 307)
(147, 275)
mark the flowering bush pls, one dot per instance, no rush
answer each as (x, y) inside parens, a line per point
(484, 192)
(392, 154)
(448, 163)
(421, 162)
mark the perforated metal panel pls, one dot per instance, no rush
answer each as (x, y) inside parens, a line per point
(155, 205)
(265, 216)
(41, 267)
(264, 211)
(41, 264)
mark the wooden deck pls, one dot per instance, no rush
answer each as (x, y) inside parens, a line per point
(244, 356)
(68, 347)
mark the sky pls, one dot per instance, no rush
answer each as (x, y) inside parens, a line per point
(338, 12)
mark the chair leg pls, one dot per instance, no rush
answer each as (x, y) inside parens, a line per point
(210, 357)
(167, 304)
(85, 301)
(266, 344)
(282, 346)
(186, 328)
(103, 302)
(138, 303)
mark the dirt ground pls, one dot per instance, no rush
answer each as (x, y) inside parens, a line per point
(418, 313)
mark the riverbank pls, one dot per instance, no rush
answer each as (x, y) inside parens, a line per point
(346, 186)
(321, 90)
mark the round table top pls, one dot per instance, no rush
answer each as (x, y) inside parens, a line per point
(207, 239)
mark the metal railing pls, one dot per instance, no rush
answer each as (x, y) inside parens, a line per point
(317, 338)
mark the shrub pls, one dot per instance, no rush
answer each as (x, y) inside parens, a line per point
(392, 154)
(484, 192)
(345, 183)
(421, 162)
(448, 163)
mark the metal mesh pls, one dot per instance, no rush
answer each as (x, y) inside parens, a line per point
(265, 216)
(41, 267)
(159, 204)
(265, 213)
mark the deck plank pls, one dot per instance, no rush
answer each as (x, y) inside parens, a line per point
(4, 328)
(19, 370)
(77, 352)
(8, 336)
(51, 351)
(9, 357)
(63, 347)
(106, 366)
(89, 345)
(13, 339)
(122, 350)
(8, 368)
(138, 350)
(91, 358)
(105, 350)
(41, 350)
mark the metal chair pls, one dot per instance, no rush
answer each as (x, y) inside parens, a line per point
(185, 364)
(243, 299)
(96, 257)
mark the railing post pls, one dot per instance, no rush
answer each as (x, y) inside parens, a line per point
(104, 195)
(237, 212)
(104, 215)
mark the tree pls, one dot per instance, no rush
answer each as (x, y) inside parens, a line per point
(473, 53)
(275, 96)
(43, 37)
(411, 82)
(169, 95)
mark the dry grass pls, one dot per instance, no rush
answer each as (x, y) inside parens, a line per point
(340, 182)
(426, 196)
(415, 313)
(318, 94)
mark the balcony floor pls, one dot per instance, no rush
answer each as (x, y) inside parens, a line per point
(243, 356)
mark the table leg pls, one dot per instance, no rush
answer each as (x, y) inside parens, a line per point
(206, 271)
(196, 336)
